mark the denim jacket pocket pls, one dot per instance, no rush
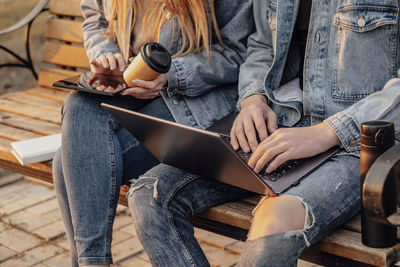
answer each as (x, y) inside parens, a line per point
(271, 13)
(356, 73)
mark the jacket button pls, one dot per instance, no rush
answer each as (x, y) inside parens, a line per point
(176, 101)
(353, 143)
(361, 22)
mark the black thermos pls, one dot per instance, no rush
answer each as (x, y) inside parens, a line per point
(376, 138)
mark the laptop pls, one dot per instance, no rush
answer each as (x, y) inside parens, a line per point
(209, 154)
(80, 83)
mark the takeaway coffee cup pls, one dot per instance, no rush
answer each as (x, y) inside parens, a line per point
(152, 60)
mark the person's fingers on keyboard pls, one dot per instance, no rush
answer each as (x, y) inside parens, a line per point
(234, 140)
(278, 161)
(269, 154)
(250, 131)
(260, 119)
(240, 135)
(111, 61)
(258, 154)
(272, 121)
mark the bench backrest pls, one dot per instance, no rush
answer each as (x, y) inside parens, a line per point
(63, 47)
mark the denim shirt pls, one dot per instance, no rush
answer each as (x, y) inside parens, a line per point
(351, 67)
(200, 91)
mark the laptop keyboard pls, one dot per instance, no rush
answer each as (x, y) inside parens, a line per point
(273, 176)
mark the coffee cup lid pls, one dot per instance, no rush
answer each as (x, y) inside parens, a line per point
(156, 57)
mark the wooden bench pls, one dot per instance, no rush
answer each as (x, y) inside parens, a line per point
(36, 112)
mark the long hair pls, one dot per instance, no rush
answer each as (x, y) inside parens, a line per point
(196, 19)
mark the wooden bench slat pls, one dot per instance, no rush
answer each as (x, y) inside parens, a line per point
(37, 170)
(66, 8)
(348, 244)
(30, 111)
(16, 134)
(65, 30)
(48, 76)
(5, 144)
(57, 95)
(65, 55)
(32, 100)
(29, 124)
(234, 213)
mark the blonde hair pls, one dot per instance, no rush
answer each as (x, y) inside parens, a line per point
(196, 19)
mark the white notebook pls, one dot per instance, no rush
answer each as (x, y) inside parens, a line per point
(36, 149)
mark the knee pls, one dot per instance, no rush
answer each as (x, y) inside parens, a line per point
(278, 215)
(143, 200)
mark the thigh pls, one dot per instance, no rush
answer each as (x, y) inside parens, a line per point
(136, 158)
(331, 194)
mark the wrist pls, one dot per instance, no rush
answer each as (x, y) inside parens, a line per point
(327, 135)
(253, 99)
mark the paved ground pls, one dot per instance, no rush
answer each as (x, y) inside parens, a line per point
(32, 233)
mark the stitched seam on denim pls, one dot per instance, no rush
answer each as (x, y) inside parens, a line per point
(171, 218)
(113, 185)
(368, 8)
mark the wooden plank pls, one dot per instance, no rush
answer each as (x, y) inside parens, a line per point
(234, 213)
(16, 134)
(64, 30)
(65, 55)
(48, 76)
(348, 244)
(5, 144)
(30, 111)
(33, 125)
(32, 100)
(66, 8)
(38, 170)
(57, 95)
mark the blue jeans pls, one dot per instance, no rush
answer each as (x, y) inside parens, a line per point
(163, 200)
(97, 155)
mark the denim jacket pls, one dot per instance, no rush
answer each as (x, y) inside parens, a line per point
(351, 67)
(199, 91)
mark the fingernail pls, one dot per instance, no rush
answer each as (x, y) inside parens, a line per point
(254, 148)
(246, 149)
(131, 59)
(122, 68)
(95, 84)
(135, 82)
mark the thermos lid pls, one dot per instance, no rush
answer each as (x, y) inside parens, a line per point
(156, 57)
(377, 133)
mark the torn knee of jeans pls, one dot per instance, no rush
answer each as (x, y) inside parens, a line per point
(144, 182)
(308, 223)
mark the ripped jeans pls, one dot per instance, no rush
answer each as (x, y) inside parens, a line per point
(97, 154)
(163, 200)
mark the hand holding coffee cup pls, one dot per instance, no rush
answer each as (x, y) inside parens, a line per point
(153, 60)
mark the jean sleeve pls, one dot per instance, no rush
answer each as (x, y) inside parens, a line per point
(94, 26)
(382, 105)
(195, 74)
(260, 55)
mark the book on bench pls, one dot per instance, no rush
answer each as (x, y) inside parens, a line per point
(36, 149)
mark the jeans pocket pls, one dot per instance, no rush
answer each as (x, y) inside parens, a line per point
(365, 52)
